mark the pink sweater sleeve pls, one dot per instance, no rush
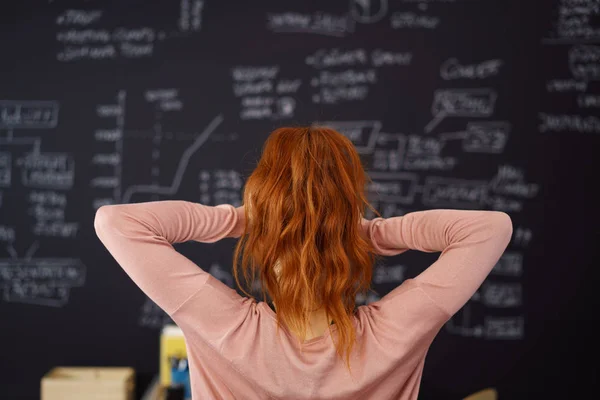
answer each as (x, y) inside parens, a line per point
(471, 243)
(140, 236)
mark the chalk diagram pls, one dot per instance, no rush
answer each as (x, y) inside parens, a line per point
(43, 178)
(394, 184)
(183, 163)
(118, 118)
(111, 150)
(40, 281)
(478, 103)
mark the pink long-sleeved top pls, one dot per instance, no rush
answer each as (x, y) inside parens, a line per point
(233, 349)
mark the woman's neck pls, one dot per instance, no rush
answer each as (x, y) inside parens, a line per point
(317, 316)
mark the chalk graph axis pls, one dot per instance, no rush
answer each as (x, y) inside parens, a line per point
(181, 168)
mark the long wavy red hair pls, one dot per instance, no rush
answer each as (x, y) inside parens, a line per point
(303, 205)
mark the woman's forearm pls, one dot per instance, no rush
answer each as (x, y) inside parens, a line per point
(140, 237)
(471, 243)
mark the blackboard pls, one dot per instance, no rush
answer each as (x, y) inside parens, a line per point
(451, 103)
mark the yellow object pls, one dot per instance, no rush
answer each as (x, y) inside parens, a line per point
(76, 383)
(485, 394)
(172, 344)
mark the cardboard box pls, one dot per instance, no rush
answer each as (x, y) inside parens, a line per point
(89, 383)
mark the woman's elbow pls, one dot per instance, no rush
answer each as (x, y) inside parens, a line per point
(502, 225)
(106, 216)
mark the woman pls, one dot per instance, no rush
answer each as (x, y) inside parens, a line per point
(310, 247)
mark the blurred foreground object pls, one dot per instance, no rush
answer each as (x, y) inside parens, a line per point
(76, 383)
(485, 394)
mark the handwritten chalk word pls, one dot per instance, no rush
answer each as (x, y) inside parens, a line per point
(509, 264)
(257, 101)
(44, 212)
(44, 294)
(568, 8)
(381, 57)
(60, 229)
(152, 95)
(89, 52)
(256, 113)
(43, 281)
(143, 34)
(106, 159)
(335, 57)
(486, 137)
(25, 114)
(576, 21)
(252, 88)
(512, 183)
(566, 85)
(510, 172)
(335, 95)
(287, 86)
(507, 328)
(347, 77)
(584, 62)
(461, 103)
(47, 197)
(424, 153)
(131, 50)
(86, 36)
(451, 192)
(165, 99)
(464, 102)
(105, 182)
(429, 163)
(452, 69)
(109, 110)
(325, 58)
(419, 145)
(394, 187)
(254, 73)
(47, 170)
(588, 101)
(502, 294)
(411, 20)
(258, 107)
(568, 123)
(500, 203)
(75, 36)
(317, 23)
(363, 134)
(78, 17)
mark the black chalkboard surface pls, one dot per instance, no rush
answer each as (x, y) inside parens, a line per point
(452, 103)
